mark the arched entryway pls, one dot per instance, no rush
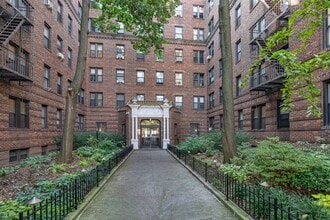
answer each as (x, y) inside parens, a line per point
(150, 133)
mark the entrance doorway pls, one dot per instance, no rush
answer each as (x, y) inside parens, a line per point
(150, 134)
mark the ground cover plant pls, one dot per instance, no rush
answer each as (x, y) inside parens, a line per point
(41, 176)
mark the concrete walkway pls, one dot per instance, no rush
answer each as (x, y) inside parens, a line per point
(152, 185)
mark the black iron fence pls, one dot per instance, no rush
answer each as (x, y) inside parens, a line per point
(67, 199)
(254, 200)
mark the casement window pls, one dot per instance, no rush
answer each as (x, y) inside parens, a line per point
(198, 34)
(46, 36)
(69, 57)
(198, 11)
(238, 15)
(18, 113)
(178, 11)
(81, 122)
(70, 25)
(178, 79)
(96, 50)
(46, 77)
(140, 97)
(178, 32)
(81, 95)
(159, 77)
(140, 77)
(120, 76)
(211, 123)
(240, 119)
(199, 102)
(238, 87)
(120, 100)
(44, 116)
(283, 117)
(211, 75)
(211, 100)
(178, 55)
(18, 155)
(220, 95)
(238, 50)
(199, 79)
(59, 83)
(96, 74)
(198, 56)
(178, 102)
(258, 117)
(59, 120)
(96, 99)
(59, 12)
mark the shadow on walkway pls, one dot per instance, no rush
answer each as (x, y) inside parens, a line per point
(152, 185)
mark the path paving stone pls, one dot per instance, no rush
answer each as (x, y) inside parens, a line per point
(152, 185)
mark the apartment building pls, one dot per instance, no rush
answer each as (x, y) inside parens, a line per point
(153, 100)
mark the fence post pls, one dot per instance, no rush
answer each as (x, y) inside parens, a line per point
(76, 194)
(193, 166)
(275, 208)
(205, 165)
(97, 175)
(109, 165)
(21, 216)
(227, 187)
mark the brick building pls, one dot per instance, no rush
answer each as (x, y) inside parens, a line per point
(153, 100)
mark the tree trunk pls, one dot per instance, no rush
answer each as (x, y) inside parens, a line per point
(72, 93)
(228, 133)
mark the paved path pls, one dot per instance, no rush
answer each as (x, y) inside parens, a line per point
(152, 185)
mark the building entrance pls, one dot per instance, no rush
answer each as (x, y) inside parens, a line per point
(150, 134)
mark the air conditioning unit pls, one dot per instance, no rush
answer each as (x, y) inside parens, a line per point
(120, 56)
(178, 59)
(49, 4)
(60, 56)
(209, 57)
(178, 83)
(120, 81)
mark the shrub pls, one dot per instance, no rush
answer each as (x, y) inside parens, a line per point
(9, 209)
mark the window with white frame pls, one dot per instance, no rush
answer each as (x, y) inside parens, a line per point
(178, 11)
(199, 79)
(96, 74)
(178, 55)
(178, 79)
(160, 98)
(44, 116)
(140, 97)
(198, 34)
(140, 76)
(59, 12)
(120, 51)
(238, 50)
(211, 100)
(96, 50)
(59, 116)
(46, 77)
(178, 101)
(47, 36)
(178, 32)
(210, 26)
(120, 76)
(240, 119)
(211, 75)
(198, 11)
(199, 102)
(59, 83)
(238, 15)
(96, 99)
(159, 77)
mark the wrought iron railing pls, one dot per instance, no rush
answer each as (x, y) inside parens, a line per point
(267, 74)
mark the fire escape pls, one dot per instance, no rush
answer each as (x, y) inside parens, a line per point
(269, 75)
(15, 20)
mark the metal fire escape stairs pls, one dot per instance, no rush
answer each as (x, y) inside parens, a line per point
(10, 28)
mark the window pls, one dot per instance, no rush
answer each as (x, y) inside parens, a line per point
(160, 55)
(120, 51)
(210, 49)
(220, 68)
(238, 15)
(140, 97)
(160, 98)
(211, 75)
(283, 118)
(178, 11)
(198, 57)
(101, 126)
(59, 12)
(69, 25)
(258, 117)
(81, 95)
(211, 123)
(259, 27)
(96, 99)
(159, 78)
(79, 11)
(199, 79)
(69, 57)
(140, 76)
(59, 118)
(220, 95)
(178, 32)
(46, 77)
(18, 155)
(326, 30)
(210, 4)
(81, 122)
(326, 113)
(44, 117)
(18, 113)
(121, 27)
(238, 86)
(59, 83)
(96, 74)
(178, 101)
(46, 36)
(210, 26)
(194, 129)
(238, 50)
(199, 102)
(120, 76)
(253, 3)
(59, 44)
(211, 100)
(96, 50)
(44, 150)
(198, 11)
(178, 79)
(93, 27)
(178, 55)
(198, 34)
(120, 100)
(140, 56)
(221, 121)
(240, 119)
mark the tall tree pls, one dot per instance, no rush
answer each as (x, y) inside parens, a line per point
(143, 18)
(228, 133)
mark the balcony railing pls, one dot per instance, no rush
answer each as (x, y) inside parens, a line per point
(14, 67)
(21, 7)
(268, 77)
